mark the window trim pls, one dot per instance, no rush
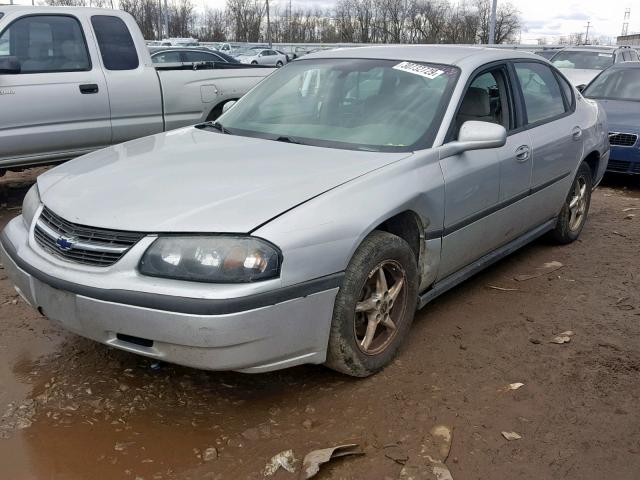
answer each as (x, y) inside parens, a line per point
(84, 39)
(93, 29)
(516, 111)
(528, 126)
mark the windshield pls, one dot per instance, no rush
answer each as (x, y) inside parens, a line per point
(583, 60)
(381, 105)
(616, 84)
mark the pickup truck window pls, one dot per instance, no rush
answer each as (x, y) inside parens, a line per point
(46, 43)
(116, 45)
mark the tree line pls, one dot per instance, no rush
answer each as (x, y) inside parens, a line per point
(349, 21)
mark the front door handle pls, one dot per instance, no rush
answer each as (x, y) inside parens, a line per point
(88, 88)
(576, 133)
(523, 153)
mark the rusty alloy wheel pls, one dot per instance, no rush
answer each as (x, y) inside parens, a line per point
(578, 203)
(383, 301)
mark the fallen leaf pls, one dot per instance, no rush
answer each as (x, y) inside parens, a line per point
(285, 460)
(515, 386)
(629, 209)
(630, 216)
(511, 436)
(313, 460)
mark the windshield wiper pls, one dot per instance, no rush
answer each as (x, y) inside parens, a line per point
(217, 125)
(286, 139)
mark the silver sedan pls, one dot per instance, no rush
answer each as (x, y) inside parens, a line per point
(317, 214)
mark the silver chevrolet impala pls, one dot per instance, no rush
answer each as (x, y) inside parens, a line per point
(308, 224)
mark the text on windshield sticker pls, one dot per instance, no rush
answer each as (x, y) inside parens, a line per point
(417, 69)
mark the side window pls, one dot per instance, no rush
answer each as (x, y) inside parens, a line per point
(46, 43)
(567, 91)
(167, 57)
(487, 100)
(116, 45)
(541, 91)
(200, 57)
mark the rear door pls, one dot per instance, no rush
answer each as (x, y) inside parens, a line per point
(556, 137)
(58, 106)
(134, 87)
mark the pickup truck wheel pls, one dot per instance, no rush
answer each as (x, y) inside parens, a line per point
(375, 306)
(278, 64)
(574, 212)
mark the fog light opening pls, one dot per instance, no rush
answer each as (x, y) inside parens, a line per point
(141, 342)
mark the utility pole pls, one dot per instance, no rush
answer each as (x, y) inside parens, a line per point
(268, 25)
(586, 36)
(290, 30)
(492, 23)
(166, 18)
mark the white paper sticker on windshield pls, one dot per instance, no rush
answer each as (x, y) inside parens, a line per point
(417, 69)
(604, 54)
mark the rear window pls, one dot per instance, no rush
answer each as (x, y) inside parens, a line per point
(116, 45)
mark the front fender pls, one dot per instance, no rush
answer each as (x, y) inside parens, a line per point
(320, 236)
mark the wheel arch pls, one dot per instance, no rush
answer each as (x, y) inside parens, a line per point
(593, 160)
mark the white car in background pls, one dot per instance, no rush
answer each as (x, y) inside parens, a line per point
(264, 56)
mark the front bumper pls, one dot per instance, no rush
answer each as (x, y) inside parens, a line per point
(275, 331)
(625, 159)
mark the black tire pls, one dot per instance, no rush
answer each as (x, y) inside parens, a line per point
(279, 64)
(254, 63)
(346, 352)
(570, 224)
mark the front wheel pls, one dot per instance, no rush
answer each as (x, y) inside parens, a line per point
(278, 64)
(574, 212)
(375, 306)
(254, 63)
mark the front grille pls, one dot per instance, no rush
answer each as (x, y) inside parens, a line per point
(98, 247)
(622, 139)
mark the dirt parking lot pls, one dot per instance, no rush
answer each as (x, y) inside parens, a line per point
(72, 409)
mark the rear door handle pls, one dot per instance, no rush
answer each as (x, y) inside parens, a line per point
(523, 153)
(576, 133)
(88, 88)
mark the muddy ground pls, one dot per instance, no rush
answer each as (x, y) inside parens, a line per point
(72, 409)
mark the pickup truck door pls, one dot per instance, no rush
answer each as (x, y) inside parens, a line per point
(135, 97)
(484, 188)
(57, 107)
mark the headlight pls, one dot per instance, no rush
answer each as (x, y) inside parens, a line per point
(219, 259)
(30, 204)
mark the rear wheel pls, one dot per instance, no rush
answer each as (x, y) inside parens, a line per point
(254, 63)
(574, 212)
(279, 64)
(375, 306)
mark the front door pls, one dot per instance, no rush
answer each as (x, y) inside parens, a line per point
(58, 106)
(483, 187)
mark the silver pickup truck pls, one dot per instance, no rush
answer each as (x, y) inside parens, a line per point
(73, 80)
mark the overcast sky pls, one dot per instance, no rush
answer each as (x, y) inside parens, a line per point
(542, 18)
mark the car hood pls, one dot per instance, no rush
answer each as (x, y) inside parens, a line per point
(579, 76)
(192, 180)
(623, 116)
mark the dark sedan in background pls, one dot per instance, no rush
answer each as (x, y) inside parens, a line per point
(617, 89)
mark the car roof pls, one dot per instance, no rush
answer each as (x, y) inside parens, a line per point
(461, 56)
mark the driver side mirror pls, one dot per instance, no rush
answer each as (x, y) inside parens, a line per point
(9, 65)
(228, 105)
(475, 135)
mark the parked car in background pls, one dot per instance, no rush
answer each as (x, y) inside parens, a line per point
(266, 57)
(300, 230)
(188, 55)
(581, 64)
(617, 89)
(77, 79)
